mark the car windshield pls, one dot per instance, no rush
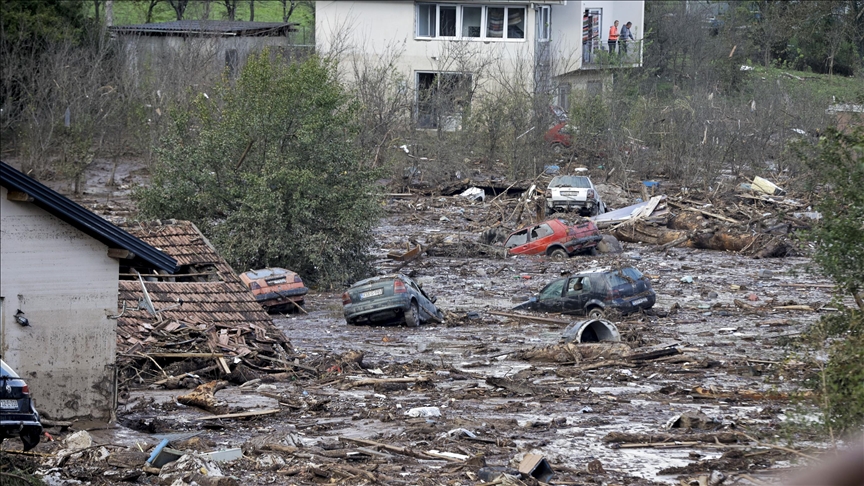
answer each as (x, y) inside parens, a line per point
(571, 181)
(517, 239)
(6, 371)
(553, 290)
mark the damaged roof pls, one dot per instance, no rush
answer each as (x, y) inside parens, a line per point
(220, 311)
(84, 219)
(219, 28)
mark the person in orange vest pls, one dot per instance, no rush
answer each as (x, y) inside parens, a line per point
(613, 37)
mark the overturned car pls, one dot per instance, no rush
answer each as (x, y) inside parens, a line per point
(276, 289)
(595, 292)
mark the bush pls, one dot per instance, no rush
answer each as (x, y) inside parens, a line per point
(268, 170)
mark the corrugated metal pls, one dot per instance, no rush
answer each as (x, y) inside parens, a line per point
(208, 27)
(83, 219)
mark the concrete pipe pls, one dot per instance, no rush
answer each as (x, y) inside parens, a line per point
(591, 331)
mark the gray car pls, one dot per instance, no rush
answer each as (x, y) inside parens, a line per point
(389, 298)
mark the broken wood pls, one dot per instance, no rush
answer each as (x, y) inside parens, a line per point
(654, 354)
(521, 388)
(546, 320)
(256, 413)
(378, 381)
(399, 450)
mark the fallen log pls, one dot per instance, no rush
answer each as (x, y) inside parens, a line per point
(378, 381)
(399, 450)
(519, 387)
(204, 397)
(661, 438)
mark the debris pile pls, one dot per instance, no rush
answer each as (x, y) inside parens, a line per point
(202, 315)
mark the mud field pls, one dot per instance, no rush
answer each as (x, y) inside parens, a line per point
(461, 402)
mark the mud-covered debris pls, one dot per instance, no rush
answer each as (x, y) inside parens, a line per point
(692, 420)
(204, 397)
(536, 466)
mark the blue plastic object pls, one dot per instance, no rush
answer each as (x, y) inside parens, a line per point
(157, 450)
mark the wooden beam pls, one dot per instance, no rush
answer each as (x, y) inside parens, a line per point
(120, 253)
(241, 414)
(19, 196)
(546, 320)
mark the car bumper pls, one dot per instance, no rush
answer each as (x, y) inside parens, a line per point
(378, 310)
(635, 303)
(569, 204)
(283, 297)
(584, 242)
(12, 425)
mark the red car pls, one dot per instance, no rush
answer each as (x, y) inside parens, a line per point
(555, 239)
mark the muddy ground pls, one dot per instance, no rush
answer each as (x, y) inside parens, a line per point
(468, 402)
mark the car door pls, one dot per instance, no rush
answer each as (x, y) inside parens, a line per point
(426, 307)
(541, 237)
(576, 294)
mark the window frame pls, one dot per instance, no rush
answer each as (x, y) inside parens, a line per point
(545, 21)
(435, 24)
(437, 76)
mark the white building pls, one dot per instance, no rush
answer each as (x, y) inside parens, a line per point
(59, 281)
(562, 43)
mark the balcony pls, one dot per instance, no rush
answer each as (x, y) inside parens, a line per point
(596, 55)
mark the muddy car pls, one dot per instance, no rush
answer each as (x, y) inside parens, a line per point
(570, 192)
(18, 417)
(554, 238)
(389, 298)
(593, 293)
(276, 289)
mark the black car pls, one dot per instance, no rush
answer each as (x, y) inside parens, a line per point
(18, 417)
(389, 298)
(592, 293)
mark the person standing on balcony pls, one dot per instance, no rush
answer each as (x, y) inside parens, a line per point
(613, 37)
(625, 37)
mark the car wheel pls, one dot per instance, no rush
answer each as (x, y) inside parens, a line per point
(439, 316)
(558, 255)
(596, 313)
(30, 438)
(412, 315)
(351, 322)
(557, 148)
(593, 251)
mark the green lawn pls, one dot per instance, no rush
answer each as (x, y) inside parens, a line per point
(128, 12)
(827, 89)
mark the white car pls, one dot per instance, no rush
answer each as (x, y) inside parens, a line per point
(572, 192)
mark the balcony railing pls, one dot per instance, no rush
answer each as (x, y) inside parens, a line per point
(596, 55)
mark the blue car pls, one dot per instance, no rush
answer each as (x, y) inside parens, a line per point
(387, 299)
(18, 417)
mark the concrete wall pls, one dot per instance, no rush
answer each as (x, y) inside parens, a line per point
(189, 59)
(65, 283)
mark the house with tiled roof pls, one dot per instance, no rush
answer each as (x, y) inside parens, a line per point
(59, 276)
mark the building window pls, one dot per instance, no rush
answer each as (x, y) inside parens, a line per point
(470, 22)
(441, 98)
(564, 96)
(594, 88)
(544, 28)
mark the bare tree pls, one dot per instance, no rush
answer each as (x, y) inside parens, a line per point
(179, 7)
(251, 10)
(231, 8)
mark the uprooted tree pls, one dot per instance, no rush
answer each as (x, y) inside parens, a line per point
(268, 169)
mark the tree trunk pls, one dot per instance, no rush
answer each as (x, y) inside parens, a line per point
(109, 13)
(251, 10)
(150, 11)
(96, 9)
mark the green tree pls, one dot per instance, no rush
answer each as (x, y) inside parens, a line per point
(268, 170)
(838, 167)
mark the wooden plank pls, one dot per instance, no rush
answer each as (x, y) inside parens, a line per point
(241, 414)
(186, 355)
(547, 320)
(223, 365)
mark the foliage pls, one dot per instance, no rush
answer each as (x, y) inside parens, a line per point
(838, 169)
(39, 21)
(839, 379)
(130, 12)
(267, 169)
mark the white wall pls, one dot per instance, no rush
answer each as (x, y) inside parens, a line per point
(66, 285)
(372, 28)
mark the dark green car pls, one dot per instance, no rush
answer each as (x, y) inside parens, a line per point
(387, 299)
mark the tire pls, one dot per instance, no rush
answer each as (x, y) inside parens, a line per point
(439, 316)
(412, 315)
(557, 148)
(351, 322)
(593, 251)
(30, 439)
(559, 255)
(596, 313)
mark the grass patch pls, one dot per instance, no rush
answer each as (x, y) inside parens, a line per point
(131, 12)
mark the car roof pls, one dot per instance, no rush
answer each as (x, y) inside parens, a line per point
(602, 270)
(572, 181)
(266, 272)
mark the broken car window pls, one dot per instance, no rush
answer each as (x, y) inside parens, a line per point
(553, 290)
(571, 181)
(517, 239)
